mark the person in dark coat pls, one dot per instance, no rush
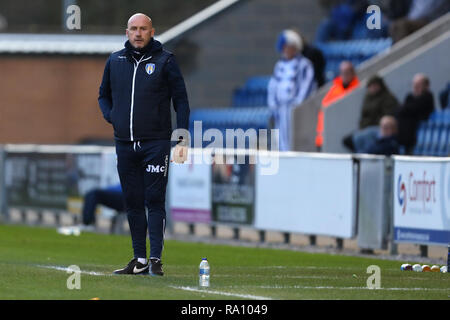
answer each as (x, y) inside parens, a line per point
(398, 9)
(378, 102)
(418, 106)
(139, 85)
(316, 57)
(419, 14)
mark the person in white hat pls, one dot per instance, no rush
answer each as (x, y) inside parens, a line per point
(291, 84)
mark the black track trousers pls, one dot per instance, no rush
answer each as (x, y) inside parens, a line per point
(143, 168)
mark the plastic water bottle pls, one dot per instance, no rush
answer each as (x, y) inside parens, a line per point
(203, 280)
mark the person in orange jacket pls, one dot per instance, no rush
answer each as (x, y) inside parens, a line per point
(342, 85)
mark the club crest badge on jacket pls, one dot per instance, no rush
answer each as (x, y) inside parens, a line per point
(150, 68)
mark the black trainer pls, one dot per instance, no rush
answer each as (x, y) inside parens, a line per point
(133, 267)
(156, 267)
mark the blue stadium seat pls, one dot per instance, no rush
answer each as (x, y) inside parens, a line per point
(433, 136)
(357, 51)
(420, 144)
(257, 83)
(446, 116)
(427, 139)
(444, 97)
(435, 140)
(252, 94)
(230, 118)
(443, 148)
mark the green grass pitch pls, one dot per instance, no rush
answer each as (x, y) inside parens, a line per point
(32, 262)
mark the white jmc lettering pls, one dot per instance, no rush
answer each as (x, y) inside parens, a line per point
(155, 169)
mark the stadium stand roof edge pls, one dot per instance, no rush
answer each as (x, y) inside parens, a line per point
(27, 43)
(60, 43)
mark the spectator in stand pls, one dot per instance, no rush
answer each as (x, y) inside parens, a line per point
(317, 59)
(420, 13)
(291, 84)
(444, 97)
(417, 107)
(398, 9)
(346, 82)
(386, 142)
(378, 102)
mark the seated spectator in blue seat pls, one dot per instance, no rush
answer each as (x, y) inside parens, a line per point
(386, 143)
(420, 13)
(418, 106)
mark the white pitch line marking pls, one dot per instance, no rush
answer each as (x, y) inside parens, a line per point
(302, 267)
(350, 288)
(253, 297)
(223, 293)
(275, 276)
(59, 268)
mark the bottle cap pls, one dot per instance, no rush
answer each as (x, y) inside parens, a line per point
(204, 259)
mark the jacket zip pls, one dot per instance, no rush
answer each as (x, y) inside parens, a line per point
(132, 92)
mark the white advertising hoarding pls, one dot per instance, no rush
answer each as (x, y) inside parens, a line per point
(309, 195)
(421, 200)
(109, 174)
(190, 191)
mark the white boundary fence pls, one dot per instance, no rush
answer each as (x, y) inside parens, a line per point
(376, 199)
(310, 194)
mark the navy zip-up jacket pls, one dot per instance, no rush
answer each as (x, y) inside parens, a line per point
(136, 92)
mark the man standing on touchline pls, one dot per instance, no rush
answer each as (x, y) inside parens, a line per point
(135, 96)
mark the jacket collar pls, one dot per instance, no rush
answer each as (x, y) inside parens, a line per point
(151, 48)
